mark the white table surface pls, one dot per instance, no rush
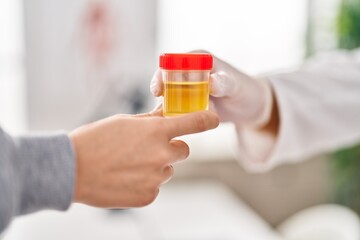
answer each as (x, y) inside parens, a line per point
(193, 210)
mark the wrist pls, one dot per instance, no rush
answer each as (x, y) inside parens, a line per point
(258, 143)
(74, 140)
(264, 109)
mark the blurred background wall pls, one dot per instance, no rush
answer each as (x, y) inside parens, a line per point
(88, 59)
(75, 54)
(12, 67)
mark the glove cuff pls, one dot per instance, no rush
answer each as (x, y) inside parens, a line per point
(267, 106)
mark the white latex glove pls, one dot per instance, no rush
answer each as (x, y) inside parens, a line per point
(235, 96)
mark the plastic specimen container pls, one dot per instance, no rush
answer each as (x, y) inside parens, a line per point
(186, 82)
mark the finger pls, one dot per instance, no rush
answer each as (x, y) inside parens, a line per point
(156, 112)
(168, 173)
(200, 51)
(221, 85)
(180, 150)
(117, 116)
(156, 84)
(190, 123)
(212, 106)
(158, 108)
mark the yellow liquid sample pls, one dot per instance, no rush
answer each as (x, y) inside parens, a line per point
(185, 97)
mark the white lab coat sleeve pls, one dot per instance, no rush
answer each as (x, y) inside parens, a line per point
(319, 108)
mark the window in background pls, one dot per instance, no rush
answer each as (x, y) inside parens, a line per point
(322, 25)
(255, 36)
(12, 109)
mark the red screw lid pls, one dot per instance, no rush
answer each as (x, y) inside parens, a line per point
(190, 61)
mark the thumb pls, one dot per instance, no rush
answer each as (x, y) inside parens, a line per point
(156, 84)
(221, 85)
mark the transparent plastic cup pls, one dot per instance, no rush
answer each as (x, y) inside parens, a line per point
(186, 82)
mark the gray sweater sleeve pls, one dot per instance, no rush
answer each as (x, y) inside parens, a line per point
(36, 172)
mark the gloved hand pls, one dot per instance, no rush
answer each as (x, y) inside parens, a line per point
(235, 96)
